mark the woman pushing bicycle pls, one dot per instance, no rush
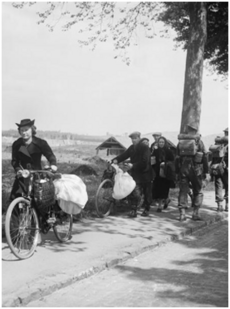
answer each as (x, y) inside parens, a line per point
(34, 208)
(26, 154)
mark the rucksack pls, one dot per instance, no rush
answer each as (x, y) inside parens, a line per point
(187, 147)
(217, 151)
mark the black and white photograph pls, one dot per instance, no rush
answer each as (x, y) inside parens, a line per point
(115, 154)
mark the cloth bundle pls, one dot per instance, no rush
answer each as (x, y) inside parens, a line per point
(70, 191)
(124, 184)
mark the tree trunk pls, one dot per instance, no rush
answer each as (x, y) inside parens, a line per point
(194, 66)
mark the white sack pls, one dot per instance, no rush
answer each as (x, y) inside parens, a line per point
(124, 184)
(70, 191)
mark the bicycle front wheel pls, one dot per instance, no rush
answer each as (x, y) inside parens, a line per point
(63, 226)
(104, 200)
(21, 228)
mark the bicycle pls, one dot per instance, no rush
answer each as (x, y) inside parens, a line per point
(27, 216)
(104, 202)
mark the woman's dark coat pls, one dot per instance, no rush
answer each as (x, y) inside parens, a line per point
(24, 155)
(161, 185)
(29, 157)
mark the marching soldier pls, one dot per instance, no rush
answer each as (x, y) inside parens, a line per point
(191, 169)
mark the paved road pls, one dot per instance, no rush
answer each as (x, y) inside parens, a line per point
(192, 272)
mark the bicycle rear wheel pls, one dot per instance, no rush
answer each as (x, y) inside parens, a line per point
(63, 226)
(104, 200)
(21, 228)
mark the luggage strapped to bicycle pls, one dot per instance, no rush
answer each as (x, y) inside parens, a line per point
(44, 193)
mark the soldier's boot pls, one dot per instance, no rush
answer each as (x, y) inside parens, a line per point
(195, 215)
(220, 207)
(159, 207)
(182, 214)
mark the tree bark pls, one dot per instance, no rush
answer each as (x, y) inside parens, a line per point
(194, 66)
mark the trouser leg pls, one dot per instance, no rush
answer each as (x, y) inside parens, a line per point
(183, 193)
(135, 196)
(196, 181)
(219, 192)
(147, 192)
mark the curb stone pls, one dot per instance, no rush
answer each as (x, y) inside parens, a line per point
(65, 280)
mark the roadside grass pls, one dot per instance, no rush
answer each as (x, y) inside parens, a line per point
(92, 182)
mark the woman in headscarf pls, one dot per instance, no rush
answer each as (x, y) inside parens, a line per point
(161, 186)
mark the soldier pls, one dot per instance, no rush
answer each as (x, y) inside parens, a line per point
(226, 167)
(140, 170)
(219, 170)
(191, 169)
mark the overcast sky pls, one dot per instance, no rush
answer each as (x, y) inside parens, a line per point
(46, 76)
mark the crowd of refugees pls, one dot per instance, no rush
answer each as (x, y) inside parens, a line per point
(154, 167)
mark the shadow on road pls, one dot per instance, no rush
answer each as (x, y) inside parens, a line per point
(201, 279)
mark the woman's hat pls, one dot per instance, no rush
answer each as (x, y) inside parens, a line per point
(25, 122)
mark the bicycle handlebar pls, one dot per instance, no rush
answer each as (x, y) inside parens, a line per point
(27, 173)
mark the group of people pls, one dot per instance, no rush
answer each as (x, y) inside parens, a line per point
(156, 169)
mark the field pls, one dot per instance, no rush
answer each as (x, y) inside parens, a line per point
(69, 157)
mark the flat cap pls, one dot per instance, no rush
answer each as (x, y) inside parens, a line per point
(226, 130)
(157, 134)
(135, 134)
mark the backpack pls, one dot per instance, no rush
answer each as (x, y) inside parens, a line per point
(217, 151)
(187, 147)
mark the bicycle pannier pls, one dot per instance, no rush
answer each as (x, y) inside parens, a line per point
(44, 194)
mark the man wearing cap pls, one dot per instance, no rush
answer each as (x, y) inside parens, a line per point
(140, 170)
(27, 152)
(191, 170)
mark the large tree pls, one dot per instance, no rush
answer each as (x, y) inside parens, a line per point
(201, 27)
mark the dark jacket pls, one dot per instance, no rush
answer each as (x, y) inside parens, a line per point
(140, 158)
(162, 155)
(23, 155)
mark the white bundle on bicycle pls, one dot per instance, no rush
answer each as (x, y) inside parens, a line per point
(70, 191)
(124, 184)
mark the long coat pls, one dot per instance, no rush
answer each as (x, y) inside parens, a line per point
(22, 156)
(140, 158)
(161, 185)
